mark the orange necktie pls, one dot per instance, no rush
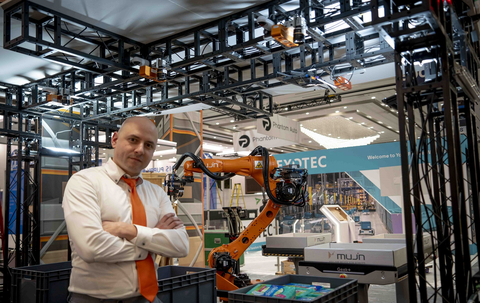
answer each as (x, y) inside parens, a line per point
(147, 278)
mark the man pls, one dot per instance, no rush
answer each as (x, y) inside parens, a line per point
(106, 209)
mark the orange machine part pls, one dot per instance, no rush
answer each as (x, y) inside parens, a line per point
(342, 83)
(283, 35)
(246, 166)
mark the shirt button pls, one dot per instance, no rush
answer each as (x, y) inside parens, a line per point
(143, 243)
(140, 256)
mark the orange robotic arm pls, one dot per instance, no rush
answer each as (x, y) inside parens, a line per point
(284, 186)
(246, 166)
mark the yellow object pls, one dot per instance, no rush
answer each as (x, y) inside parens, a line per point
(283, 35)
(149, 73)
(310, 195)
(237, 188)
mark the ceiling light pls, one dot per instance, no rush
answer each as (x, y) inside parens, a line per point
(344, 107)
(314, 129)
(281, 150)
(329, 134)
(230, 140)
(389, 126)
(369, 117)
(214, 137)
(217, 123)
(329, 142)
(286, 108)
(234, 127)
(395, 140)
(307, 113)
(62, 150)
(310, 141)
(362, 123)
(337, 111)
(373, 97)
(371, 127)
(232, 121)
(301, 124)
(380, 122)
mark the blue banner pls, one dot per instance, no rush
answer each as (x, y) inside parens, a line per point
(357, 158)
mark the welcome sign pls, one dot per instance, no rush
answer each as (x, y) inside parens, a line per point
(344, 159)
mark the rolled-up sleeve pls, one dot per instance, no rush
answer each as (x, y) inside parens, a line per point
(84, 225)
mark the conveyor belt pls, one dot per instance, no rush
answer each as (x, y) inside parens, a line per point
(282, 252)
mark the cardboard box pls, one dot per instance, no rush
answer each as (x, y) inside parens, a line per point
(288, 268)
(194, 244)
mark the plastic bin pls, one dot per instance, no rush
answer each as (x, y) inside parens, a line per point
(41, 283)
(187, 284)
(345, 290)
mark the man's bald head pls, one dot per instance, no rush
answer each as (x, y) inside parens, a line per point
(134, 144)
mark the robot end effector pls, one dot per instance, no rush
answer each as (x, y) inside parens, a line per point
(284, 185)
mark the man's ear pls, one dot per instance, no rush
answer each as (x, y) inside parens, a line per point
(114, 139)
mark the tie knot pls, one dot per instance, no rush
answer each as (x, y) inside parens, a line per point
(131, 182)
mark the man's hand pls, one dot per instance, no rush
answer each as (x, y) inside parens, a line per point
(169, 221)
(120, 229)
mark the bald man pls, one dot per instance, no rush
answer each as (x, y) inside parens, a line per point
(106, 243)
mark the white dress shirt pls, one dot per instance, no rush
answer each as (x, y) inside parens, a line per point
(103, 264)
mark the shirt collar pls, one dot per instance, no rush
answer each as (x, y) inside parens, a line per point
(116, 173)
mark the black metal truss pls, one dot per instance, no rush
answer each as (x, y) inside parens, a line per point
(22, 190)
(217, 63)
(439, 164)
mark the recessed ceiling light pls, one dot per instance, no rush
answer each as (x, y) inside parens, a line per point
(344, 107)
(373, 97)
(230, 140)
(234, 127)
(301, 124)
(310, 141)
(161, 156)
(307, 113)
(329, 134)
(337, 111)
(281, 150)
(371, 127)
(103, 148)
(232, 121)
(394, 140)
(314, 129)
(338, 137)
(214, 137)
(217, 123)
(389, 126)
(369, 117)
(286, 108)
(380, 122)
(362, 123)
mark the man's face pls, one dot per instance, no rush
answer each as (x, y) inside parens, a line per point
(134, 145)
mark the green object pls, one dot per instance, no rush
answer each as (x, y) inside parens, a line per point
(215, 238)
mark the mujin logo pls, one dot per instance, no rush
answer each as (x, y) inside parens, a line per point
(351, 257)
(267, 124)
(330, 254)
(244, 141)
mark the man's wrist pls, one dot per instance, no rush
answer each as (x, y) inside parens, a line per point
(130, 232)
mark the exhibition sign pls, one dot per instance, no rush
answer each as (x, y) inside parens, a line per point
(357, 158)
(279, 127)
(248, 140)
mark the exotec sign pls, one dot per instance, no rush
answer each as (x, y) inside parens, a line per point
(279, 127)
(248, 140)
(344, 159)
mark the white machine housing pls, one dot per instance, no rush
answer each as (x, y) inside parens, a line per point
(343, 224)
